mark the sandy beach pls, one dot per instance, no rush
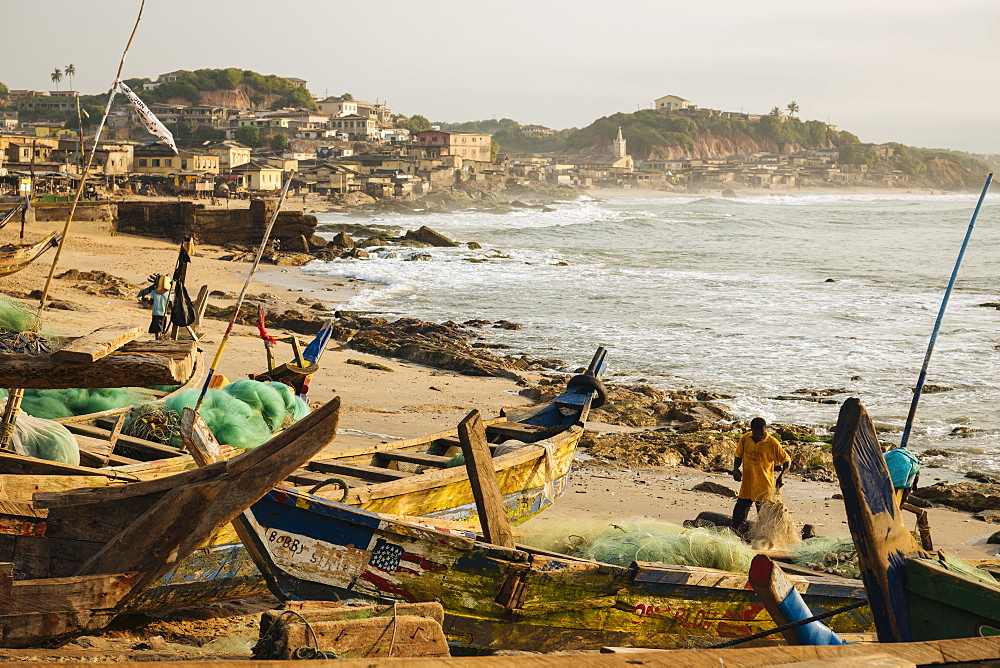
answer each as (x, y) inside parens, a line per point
(410, 400)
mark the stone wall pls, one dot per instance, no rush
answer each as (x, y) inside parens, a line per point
(176, 220)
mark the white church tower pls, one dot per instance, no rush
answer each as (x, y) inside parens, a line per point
(620, 151)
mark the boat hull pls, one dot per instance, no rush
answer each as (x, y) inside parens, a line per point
(499, 598)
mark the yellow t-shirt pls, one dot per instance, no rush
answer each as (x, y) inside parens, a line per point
(759, 460)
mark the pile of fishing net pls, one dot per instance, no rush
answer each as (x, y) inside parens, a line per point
(774, 527)
(153, 422)
(44, 439)
(645, 539)
(246, 413)
(54, 404)
(16, 316)
(829, 554)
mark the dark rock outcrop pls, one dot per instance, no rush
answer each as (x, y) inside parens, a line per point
(426, 235)
(974, 497)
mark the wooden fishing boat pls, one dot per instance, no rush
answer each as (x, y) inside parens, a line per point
(510, 598)
(914, 595)
(15, 257)
(7, 216)
(81, 556)
(411, 476)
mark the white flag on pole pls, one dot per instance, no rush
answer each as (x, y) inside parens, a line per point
(151, 122)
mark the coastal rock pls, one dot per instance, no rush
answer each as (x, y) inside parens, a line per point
(807, 456)
(994, 539)
(979, 476)
(714, 488)
(292, 259)
(342, 240)
(428, 236)
(705, 450)
(992, 516)
(974, 497)
(933, 452)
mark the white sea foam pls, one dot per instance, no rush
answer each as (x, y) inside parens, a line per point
(728, 295)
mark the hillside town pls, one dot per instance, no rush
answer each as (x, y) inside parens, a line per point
(348, 146)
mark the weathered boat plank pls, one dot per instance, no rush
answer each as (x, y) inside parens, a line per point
(134, 365)
(99, 343)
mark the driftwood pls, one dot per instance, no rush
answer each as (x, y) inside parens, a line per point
(136, 364)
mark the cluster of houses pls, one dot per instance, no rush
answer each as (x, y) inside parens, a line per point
(353, 146)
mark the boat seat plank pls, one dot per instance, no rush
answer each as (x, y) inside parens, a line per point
(415, 457)
(455, 443)
(520, 431)
(362, 471)
(154, 450)
(306, 478)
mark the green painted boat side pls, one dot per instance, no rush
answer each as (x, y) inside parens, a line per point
(950, 599)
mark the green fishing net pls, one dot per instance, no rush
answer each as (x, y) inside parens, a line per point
(645, 539)
(246, 413)
(16, 316)
(829, 554)
(54, 404)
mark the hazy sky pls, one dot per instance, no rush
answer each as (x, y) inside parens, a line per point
(923, 72)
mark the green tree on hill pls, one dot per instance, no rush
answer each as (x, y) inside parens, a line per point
(414, 124)
(775, 111)
(857, 155)
(249, 135)
(4, 91)
(793, 108)
(279, 142)
(56, 77)
(70, 70)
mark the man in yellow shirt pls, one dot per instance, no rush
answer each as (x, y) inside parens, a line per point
(762, 455)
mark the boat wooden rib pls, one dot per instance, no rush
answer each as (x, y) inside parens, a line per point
(914, 595)
(510, 598)
(78, 557)
(15, 257)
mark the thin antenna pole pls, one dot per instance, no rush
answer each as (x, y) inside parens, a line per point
(937, 323)
(243, 292)
(90, 161)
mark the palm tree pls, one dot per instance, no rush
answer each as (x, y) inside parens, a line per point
(56, 77)
(70, 70)
(793, 108)
(775, 111)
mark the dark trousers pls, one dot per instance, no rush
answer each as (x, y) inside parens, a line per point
(740, 512)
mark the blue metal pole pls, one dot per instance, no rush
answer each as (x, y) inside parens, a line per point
(937, 324)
